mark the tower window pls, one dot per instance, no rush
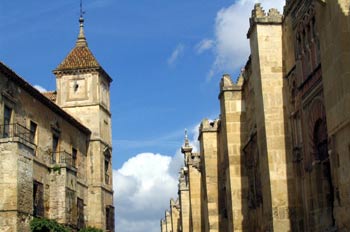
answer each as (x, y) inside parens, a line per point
(76, 86)
(106, 171)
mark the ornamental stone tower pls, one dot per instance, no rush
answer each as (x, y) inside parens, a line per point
(83, 91)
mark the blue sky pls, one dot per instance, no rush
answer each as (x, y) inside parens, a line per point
(166, 58)
(152, 100)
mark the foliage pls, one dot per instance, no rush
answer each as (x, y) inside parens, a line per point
(57, 168)
(46, 225)
(90, 229)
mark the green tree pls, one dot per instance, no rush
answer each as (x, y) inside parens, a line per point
(90, 229)
(46, 225)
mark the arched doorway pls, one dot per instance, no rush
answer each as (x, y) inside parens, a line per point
(324, 186)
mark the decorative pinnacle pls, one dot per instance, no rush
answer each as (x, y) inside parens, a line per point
(81, 42)
(187, 143)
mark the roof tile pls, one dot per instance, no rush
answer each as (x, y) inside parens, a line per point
(80, 57)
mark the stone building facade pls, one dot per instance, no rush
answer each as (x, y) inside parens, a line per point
(277, 157)
(56, 147)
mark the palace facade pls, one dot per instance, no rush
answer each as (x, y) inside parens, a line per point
(56, 147)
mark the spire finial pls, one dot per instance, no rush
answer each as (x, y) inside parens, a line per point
(187, 143)
(81, 9)
(81, 42)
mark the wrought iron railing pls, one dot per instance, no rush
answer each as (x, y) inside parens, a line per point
(16, 130)
(62, 157)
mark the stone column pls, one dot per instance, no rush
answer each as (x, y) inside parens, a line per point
(168, 221)
(184, 200)
(192, 163)
(209, 158)
(175, 215)
(265, 36)
(194, 175)
(163, 225)
(232, 131)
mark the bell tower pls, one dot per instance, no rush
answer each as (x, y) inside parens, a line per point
(83, 91)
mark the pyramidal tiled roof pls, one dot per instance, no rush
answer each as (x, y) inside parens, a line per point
(80, 57)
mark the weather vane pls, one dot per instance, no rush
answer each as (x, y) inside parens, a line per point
(81, 9)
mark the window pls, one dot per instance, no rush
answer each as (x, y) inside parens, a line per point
(70, 206)
(109, 218)
(106, 170)
(33, 128)
(320, 140)
(80, 213)
(107, 155)
(54, 147)
(74, 157)
(7, 121)
(307, 47)
(38, 199)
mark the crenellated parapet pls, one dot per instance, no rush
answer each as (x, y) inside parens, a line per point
(195, 160)
(183, 179)
(227, 84)
(174, 204)
(209, 126)
(259, 16)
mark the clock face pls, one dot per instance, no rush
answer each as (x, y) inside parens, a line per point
(77, 89)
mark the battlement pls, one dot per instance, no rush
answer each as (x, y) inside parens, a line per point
(195, 160)
(174, 204)
(226, 84)
(226, 81)
(209, 126)
(259, 16)
(183, 179)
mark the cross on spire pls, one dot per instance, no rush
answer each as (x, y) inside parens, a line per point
(81, 9)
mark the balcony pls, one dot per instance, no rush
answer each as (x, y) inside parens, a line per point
(62, 158)
(16, 131)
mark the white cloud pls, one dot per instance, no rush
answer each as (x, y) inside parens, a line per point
(231, 27)
(144, 186)
(204, 45)
(40, 88)
(179, 50)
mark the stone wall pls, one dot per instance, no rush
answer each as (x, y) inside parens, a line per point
(276, 158)
(208, 138)
(32, 157)
(333, 25)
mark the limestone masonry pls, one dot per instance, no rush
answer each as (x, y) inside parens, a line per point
(56, 147)
(278, 156)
